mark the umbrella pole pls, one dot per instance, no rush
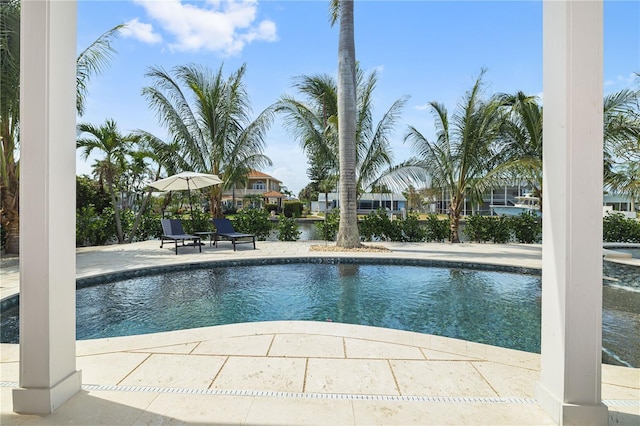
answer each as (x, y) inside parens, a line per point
(193, 226)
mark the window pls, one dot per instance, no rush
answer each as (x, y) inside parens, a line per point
(259, 185)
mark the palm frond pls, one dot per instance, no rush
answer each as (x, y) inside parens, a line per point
(93, 60)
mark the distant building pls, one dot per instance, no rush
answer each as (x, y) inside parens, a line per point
(258, 185)
(505, 195)
(395, 204)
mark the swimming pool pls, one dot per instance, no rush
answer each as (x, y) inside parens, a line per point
(496, 307)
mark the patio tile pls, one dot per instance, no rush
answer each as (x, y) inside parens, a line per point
(307, 345)
(96, 409)
(121, 364)
(509, 381)
(623, 376)
(403, 413)
(9, 352)
(427, 413)
(263, 374)
(183, 348)
(624, 416)
(439, 378)
(350, 376)
(358, 348)
(180, 409)
(432, 355)
(10, 371)
(241, 345)
(620, 392)
(176, 371)
(300, 411)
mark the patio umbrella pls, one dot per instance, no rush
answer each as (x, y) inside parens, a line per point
(186, 181)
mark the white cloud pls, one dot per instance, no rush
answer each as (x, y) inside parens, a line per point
(423, 107)
(140, 31)
(217, 26)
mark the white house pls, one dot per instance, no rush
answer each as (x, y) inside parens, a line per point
(394, 203)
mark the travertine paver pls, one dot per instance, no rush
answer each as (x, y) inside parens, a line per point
(120, 364)
(350, 376)
(358, 348)
(262, 373)
(175, 371)
(305, 345)
(241, 345)
(440, 378)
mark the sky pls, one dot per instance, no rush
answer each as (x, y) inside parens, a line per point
(427, 50)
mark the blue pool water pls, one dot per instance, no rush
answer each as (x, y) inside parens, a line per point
(497, 308)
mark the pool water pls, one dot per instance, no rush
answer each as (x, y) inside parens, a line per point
(496, 308)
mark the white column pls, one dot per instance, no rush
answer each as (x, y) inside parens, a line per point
(48, 375)
(570, 383)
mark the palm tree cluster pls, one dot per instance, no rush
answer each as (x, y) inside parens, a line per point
(210, 129)
(208, 121)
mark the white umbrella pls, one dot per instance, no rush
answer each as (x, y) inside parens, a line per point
(186, 181)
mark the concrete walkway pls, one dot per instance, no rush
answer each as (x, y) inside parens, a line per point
(300, 372)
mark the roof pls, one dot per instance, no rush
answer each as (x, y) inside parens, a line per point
(254, 174)
(273, 194)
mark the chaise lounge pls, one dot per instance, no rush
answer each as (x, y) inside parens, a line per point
(224, 229)
(172, 231)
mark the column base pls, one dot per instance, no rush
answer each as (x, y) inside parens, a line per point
(563, 413)
(46, 400)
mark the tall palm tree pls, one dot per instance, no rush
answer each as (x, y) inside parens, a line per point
(90, 62)
(462, 153)
(348, 236)
(209, 118)
(116, 147)
(314, 123)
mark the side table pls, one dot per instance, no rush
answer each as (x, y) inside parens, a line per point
(210, 234)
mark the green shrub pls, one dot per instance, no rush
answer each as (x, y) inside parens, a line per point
(617, 228)
(293, 208)
(488, 228)
(375, 226)
(91, 228)
(436, 229)
(329, 227)
(526, 227)
(253, 221)
(477, 228)
(150, 225)
(501, 229)
(288, 229)
(412, 230)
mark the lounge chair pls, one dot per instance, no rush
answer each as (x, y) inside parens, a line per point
(172, 231)
(224, 229)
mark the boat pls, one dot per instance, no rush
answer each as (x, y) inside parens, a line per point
(524, 203)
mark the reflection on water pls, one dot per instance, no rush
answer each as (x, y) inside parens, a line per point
(308, 231)
(620, 314)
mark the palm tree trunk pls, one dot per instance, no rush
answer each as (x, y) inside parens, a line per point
(454, 216)
(116, 210)
(348, 236)
(145, 201)
(11, 219)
